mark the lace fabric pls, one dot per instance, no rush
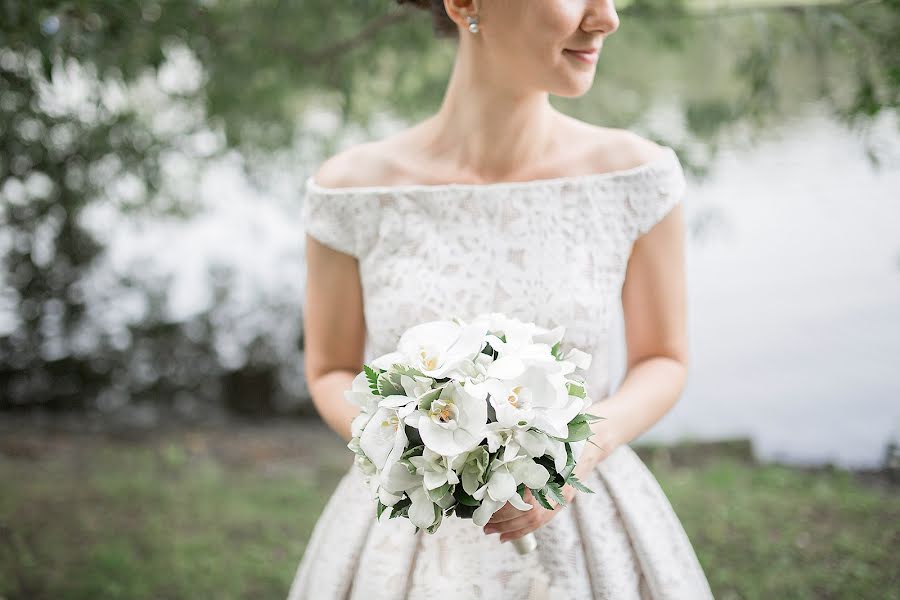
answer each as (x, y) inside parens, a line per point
(552, 251)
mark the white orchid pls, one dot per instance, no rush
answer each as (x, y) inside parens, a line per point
(361, 394)
(503, 480)
(437, 348)
(396, 480)
(454, 422)
(525, 395)
(435, 468)
(384, 437)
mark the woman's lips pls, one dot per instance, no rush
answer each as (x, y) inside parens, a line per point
(589, 56)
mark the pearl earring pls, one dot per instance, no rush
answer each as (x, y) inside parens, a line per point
(473, 24)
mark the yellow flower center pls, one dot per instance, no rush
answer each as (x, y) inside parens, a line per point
(513, 397)
(393, 422)
(430, 362)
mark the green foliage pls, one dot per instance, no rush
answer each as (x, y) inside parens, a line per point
(579, 429)
(541, 497)
(575, 389)
(576, 483)
(372, 378)
(556, 351)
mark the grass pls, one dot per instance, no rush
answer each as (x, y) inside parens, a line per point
(164, 519)
(770, 531)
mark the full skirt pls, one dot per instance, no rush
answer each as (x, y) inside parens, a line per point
(622, 542)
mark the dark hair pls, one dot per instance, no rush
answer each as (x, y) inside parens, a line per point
(442, 24)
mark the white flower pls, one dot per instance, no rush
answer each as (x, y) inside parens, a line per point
(503, 480)
(532, 443)
(437, 348)
(422, 512)
(361, 394)
(384, 437)
(527, 394)
(359, 422)
(397, 479)
(404, 405)
(454, 422)
(435, 468)
(581, 360)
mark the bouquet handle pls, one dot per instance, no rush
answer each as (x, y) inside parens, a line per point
(526, 543)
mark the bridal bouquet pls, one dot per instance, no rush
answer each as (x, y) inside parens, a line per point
(464, 416)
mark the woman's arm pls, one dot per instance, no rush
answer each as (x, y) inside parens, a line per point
(334, 332)
(654, 310)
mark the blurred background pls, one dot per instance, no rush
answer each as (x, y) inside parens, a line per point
(157, 439)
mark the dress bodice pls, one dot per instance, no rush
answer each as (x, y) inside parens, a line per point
(552, 251)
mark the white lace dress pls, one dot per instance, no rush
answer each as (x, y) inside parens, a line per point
(552, 251)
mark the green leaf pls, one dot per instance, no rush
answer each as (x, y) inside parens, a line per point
(570, 462)
(542, 499)
(389, 384)
(464, 498)
(372, 378)
(414, 451)
(402, 369)
(555, 351)
(575, 389)
(555, 492)
(437, 493)
(409, 465)
(401, 509)
(579, 430)
(439, 516)
(592, 418)
(380, 509)
(576, 483)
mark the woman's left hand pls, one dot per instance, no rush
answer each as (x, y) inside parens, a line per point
(512, 523)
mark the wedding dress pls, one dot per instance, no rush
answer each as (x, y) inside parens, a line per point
(552, 251)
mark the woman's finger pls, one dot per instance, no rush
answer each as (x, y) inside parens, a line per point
(507, 512)
(525, 519)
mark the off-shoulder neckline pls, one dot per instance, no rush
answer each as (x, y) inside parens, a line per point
(667, 155)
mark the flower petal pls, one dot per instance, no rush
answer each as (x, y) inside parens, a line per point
(421, 511)
(501, 485)
(485, 511)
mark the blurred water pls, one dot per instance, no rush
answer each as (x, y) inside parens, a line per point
(794, 300)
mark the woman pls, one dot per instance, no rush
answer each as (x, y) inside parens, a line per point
(500, 203)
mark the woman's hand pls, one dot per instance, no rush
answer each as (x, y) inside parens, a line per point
(512, 523)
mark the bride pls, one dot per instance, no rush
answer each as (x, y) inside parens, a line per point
(498, 202)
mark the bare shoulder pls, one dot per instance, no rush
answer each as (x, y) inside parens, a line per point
(614, 149)
(357, 165)
(372, 163)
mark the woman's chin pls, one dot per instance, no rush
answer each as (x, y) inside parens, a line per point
(574, 87)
